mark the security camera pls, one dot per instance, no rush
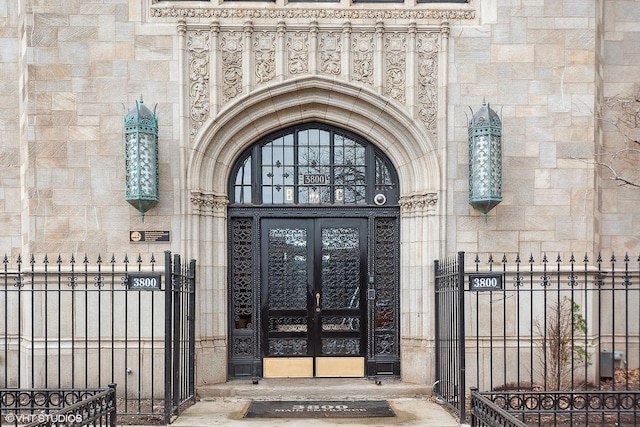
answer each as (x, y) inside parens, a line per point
(380, 199)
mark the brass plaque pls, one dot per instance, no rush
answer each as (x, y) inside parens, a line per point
(332, 367)
(287, 367)
(149, 236)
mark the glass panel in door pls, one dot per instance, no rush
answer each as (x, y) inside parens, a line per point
(286, 276)
(313, 307)
(341, 340)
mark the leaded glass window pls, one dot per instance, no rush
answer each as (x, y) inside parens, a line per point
(312, 165)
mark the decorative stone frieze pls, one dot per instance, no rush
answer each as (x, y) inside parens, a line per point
(330, 49)
(198, 63)
(419, 202)
(427, 102)
(231, 51)
(396, 70)
(398, 62)
(208, 203)
(362, 47)
(172, 10)
(264, 47)
(298, 53)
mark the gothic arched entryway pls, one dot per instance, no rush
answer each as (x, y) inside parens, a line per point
(313, 257)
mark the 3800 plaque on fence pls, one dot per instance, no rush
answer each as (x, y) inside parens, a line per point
(485, 281)
(144, 281)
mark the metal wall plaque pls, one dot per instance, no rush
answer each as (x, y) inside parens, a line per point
(485, 281)
(149, 236)
(144, 281)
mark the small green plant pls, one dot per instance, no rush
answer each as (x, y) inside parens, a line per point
(563, 331)
(579, 326)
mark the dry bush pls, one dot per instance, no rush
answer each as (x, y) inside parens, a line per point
(563, 325)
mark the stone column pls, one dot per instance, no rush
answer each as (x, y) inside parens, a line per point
(419, 247)
(185, 127)
(346, 50)
(214, 67)
(281, 52)
(411, 81)
(313, 47)
(210, 229)
(443, 132)
(247, 63)
(378, 75)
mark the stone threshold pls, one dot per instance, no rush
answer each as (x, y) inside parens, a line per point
(314, 388)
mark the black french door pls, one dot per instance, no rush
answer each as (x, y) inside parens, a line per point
(313, 296)
(337, 251)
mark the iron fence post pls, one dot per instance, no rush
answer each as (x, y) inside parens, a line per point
(192, 328)
(168, 305)
(114, 414)
(436, 269)
(473, 421)
(177, 325)
(462, 395)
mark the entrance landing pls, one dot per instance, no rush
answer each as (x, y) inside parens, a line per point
(226, 404)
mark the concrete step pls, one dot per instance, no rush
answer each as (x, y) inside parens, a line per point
(314, 389)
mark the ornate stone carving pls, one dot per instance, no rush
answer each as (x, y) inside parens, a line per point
(173, 10)
(198, 59)
(245, 59)
(362, 48)
(298, 52)
(396, 66)
(207, 202)
(265, 56)
(330, 53)
(231, 48)
(419, 202)
(428, 80)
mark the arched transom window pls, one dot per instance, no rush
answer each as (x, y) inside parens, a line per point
(313, 164)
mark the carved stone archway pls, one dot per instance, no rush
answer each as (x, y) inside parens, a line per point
(315, 98)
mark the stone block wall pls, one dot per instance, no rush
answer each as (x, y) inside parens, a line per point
(534, 63)
(71, 71)
(13, 120)
(618, 126)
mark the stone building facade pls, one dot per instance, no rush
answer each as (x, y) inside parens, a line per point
(398, 77)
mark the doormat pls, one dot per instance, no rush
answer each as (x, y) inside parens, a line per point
(319, 409)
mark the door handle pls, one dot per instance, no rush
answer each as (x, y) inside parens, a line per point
(318, 302)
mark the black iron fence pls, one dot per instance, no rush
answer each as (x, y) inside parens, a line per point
(552, 341)
(574, 408)
(69, 324)
(58, 407)
(484, 412)
(180, 333)
(449, 334)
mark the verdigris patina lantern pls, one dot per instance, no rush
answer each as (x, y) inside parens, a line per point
(485, 159)
(141, 157)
